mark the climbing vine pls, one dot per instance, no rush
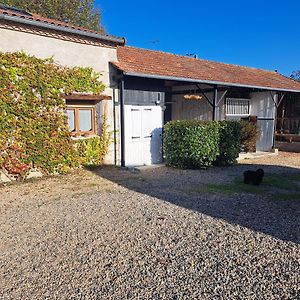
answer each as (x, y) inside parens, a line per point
(33, 125)
(92, 151)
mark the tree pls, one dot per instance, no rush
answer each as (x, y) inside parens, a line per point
(296, 75)
(77, 12)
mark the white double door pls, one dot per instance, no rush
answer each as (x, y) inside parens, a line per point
(143, 135)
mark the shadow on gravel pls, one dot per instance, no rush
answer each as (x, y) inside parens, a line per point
(268, 209)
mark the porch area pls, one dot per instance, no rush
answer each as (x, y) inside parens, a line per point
(288, 124)
(187, 101)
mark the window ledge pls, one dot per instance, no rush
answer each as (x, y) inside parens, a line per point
(83, 137)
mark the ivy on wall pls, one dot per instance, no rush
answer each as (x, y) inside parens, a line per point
(33, 125)
(92, 151)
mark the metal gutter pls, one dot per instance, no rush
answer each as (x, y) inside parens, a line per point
(209, 82)
(61, 28)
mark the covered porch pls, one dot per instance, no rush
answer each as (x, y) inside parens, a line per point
(288, 123)
(187, 101)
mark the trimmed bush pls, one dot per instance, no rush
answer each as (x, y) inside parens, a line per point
(191, 144)
(198, 144)
(230, 142)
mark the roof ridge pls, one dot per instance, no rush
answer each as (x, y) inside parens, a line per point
(15, 9)
(290, 77)
(159, 64)
(19, 13)
(202, 59)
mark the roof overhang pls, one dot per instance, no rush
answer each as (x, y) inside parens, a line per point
(64, 29)
(209, 82)
(85, 97)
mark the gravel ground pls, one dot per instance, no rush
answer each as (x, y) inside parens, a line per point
(150, 234)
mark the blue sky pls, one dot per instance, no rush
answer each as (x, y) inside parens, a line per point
(263, 34)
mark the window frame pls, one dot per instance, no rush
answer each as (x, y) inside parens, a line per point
(77, 108)
(235, 114)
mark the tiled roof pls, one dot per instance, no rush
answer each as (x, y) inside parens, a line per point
(20, 15)
(170, 66)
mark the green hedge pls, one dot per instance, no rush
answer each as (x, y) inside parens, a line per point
(230, 142)
(198, 144)
(191, 144)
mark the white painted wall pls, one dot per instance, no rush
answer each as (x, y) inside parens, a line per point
(66, 53)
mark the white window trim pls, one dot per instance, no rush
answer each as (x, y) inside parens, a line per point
(238, 115)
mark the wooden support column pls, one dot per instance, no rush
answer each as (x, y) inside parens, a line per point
(214, 106)
(275, 119)
(277, 102)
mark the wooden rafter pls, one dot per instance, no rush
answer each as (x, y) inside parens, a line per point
(274, 100)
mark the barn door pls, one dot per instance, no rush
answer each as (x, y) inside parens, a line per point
(266, 127)
(143, 135)
(262, 106)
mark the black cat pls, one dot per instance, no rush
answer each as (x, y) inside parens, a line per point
(254, 177)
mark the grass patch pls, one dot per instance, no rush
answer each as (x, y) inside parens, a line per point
(289, 183)
(230, 188)
(281, 181)
(234, 187)
(287, 197)
(295, 177)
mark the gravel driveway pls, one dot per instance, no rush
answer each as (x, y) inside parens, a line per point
(154, 233)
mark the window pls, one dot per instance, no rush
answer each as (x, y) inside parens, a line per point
(81, 120)
(237, 107)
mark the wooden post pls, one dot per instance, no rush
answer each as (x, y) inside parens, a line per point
(275, 119)
(215, 100)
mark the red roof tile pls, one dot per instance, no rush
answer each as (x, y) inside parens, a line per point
(155, 63)
(21, 14)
